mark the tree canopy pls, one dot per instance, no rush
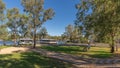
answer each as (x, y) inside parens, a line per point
(39, 14)
(13, 16)
(43, 33)
(2, 8)
(101, 18)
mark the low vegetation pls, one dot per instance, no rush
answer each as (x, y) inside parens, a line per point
(94, 52)
(30, 60)
(1, 47)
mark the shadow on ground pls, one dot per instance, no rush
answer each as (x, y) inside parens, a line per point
(76, 50)
(101, 54)
(30, 60)
(65, 49)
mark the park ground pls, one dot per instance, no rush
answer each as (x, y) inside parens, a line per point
(55, 57)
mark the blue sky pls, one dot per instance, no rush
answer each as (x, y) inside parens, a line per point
(64, 13)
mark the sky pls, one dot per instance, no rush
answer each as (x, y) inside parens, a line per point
(65, 13)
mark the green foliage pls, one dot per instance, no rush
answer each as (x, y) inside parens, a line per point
(30, 60)
(72, 34)
(14, 22)
(2, 8)
(3, 32)
(94, 52)
(42, 33)
(25, 27)
(54, 37)
(1, 47)
(69, 31)
(100, 18)
(38, 13)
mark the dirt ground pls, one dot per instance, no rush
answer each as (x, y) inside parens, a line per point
(10, 50)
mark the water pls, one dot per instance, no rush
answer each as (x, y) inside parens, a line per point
(7, 42)
(12, 42)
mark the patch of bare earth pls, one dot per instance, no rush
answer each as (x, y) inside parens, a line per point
(10, 50)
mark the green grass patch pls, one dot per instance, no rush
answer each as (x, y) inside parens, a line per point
(94, 52)
(30, 60)
(1, 47)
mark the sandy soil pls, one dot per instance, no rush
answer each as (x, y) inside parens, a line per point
(10, 50)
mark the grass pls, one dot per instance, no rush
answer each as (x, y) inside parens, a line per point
(1, 47)
(94, 52)
(30, 60)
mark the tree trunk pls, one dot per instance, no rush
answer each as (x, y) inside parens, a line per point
(112, 49)
(112, 45)
(34, 36)
(15, 39)
(70, 39)
(34, 40)
(116, 47)
(117, 43)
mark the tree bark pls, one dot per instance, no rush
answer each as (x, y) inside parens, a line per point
(15, 38)
(112, 45)
(34, 36)
(116, 47)
(112, 49)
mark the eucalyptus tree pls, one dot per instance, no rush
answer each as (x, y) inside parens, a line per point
(13, 23)
(84, 8)
(25, 29)
(2, 8)
(76, 35)
(42, 33)
(23, 25)
(39, 14)
(108, 19)
(71, 34)
(69, 31)
(64, 36)
(3, 32)
(101, 18)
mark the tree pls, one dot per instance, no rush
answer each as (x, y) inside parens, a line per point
(3, 32)
(71, 34)
(55, 37)
(25, 29)
(2, 8)
(39, 15)
(42, 33)
(13, 23)
(101, 18)
(64, 36)
(76, 35)
(69, 30)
